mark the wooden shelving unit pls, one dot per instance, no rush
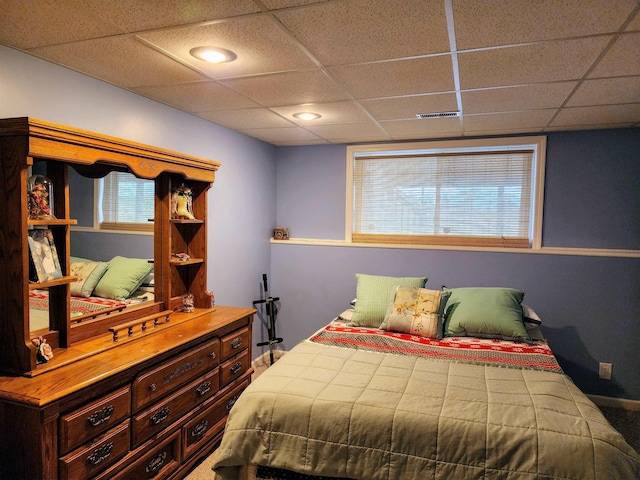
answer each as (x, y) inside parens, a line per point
(101, 364)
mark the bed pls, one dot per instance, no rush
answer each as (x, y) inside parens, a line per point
(359, 401)
(101, 288)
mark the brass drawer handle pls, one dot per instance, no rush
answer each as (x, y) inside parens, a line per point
(203, 388)
(200, 428)
(101, 416)
(160, 416)
(152, 387)
(156, 463)
(236, 343)
(212, 354)
(101, 454)
(236, 367)
(232, 402)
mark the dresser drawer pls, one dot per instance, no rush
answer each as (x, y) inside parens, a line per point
(234, 343)
(234, 368)
(80, 425)
(104, 451)
(158, 463)
(157, 382)
(211, 422)
(164, 413)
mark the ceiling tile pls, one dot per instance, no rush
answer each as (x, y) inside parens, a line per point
(634, 25)
(364, 132)
(49, 22)
(136, 15)
(122, 60)
(508, 99)
(480, 23)
(290, 88)
(536, 63)
(602, 115)
(521, 121)
(596, 126)
(365, 30)
(240, 118)
(276, 4)
(423, 128)
(396, 78)
(607, 91)
(398, 108)
(276, 135)
(272, 50)
(197, 97)
(334, 112)
(622, 59)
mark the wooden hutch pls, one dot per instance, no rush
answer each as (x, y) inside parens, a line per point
(140, 393)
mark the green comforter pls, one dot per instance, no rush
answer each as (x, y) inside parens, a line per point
(342, 412)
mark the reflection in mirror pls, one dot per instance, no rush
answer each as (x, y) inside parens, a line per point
(115, 266)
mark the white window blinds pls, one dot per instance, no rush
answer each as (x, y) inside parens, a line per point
(468, 197)
(126, 202)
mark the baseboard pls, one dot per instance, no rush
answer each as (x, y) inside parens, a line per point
(625, 403)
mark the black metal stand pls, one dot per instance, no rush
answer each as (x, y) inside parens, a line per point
(272, 313)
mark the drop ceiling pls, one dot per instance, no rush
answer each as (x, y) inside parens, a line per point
(368, 67)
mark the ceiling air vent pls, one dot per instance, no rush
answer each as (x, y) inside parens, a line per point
(438, 115)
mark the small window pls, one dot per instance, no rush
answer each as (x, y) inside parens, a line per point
(125, 202)
(474, 193)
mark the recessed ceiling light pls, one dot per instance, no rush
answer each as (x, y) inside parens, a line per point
(306, 116)
(213, 54)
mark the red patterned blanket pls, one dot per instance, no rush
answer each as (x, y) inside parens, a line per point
(39, 300)
(478, 351)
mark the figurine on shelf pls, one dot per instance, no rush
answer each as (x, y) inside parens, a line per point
(187, 303)
(43, 350)
(182, 257)
(182, 203)
(40, 197)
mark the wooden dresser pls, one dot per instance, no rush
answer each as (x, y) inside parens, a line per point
(139, 393)
(150, 408)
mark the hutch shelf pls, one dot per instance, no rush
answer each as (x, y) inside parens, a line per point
(142, 392)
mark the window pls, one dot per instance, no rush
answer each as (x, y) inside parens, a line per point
(125, 202)
(485, 193)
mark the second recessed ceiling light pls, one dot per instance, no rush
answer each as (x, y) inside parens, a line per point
(306, 116)
(213, 54)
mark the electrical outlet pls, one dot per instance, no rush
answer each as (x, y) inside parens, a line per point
(605, 371)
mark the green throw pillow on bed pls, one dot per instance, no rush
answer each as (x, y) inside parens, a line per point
(123, 277)
(486, 312)
(372, 297)
(89, 274)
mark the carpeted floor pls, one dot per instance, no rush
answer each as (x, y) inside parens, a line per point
(627, 422)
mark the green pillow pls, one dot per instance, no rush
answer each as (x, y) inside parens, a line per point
(89, 274)
(123, 277)
(486, 312)
(372, 296)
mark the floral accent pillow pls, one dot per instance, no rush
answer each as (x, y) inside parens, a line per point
(89, 274)
(417, 311)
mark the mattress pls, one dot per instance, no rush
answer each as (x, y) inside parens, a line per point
(362, 403)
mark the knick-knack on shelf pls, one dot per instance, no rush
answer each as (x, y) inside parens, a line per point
(187, 303)
(182, 203)
(40, 198)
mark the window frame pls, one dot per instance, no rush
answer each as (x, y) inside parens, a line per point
(122, 227)
(538, 143)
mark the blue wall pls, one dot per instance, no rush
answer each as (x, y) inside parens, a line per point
(241, 202)
(589, 304)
